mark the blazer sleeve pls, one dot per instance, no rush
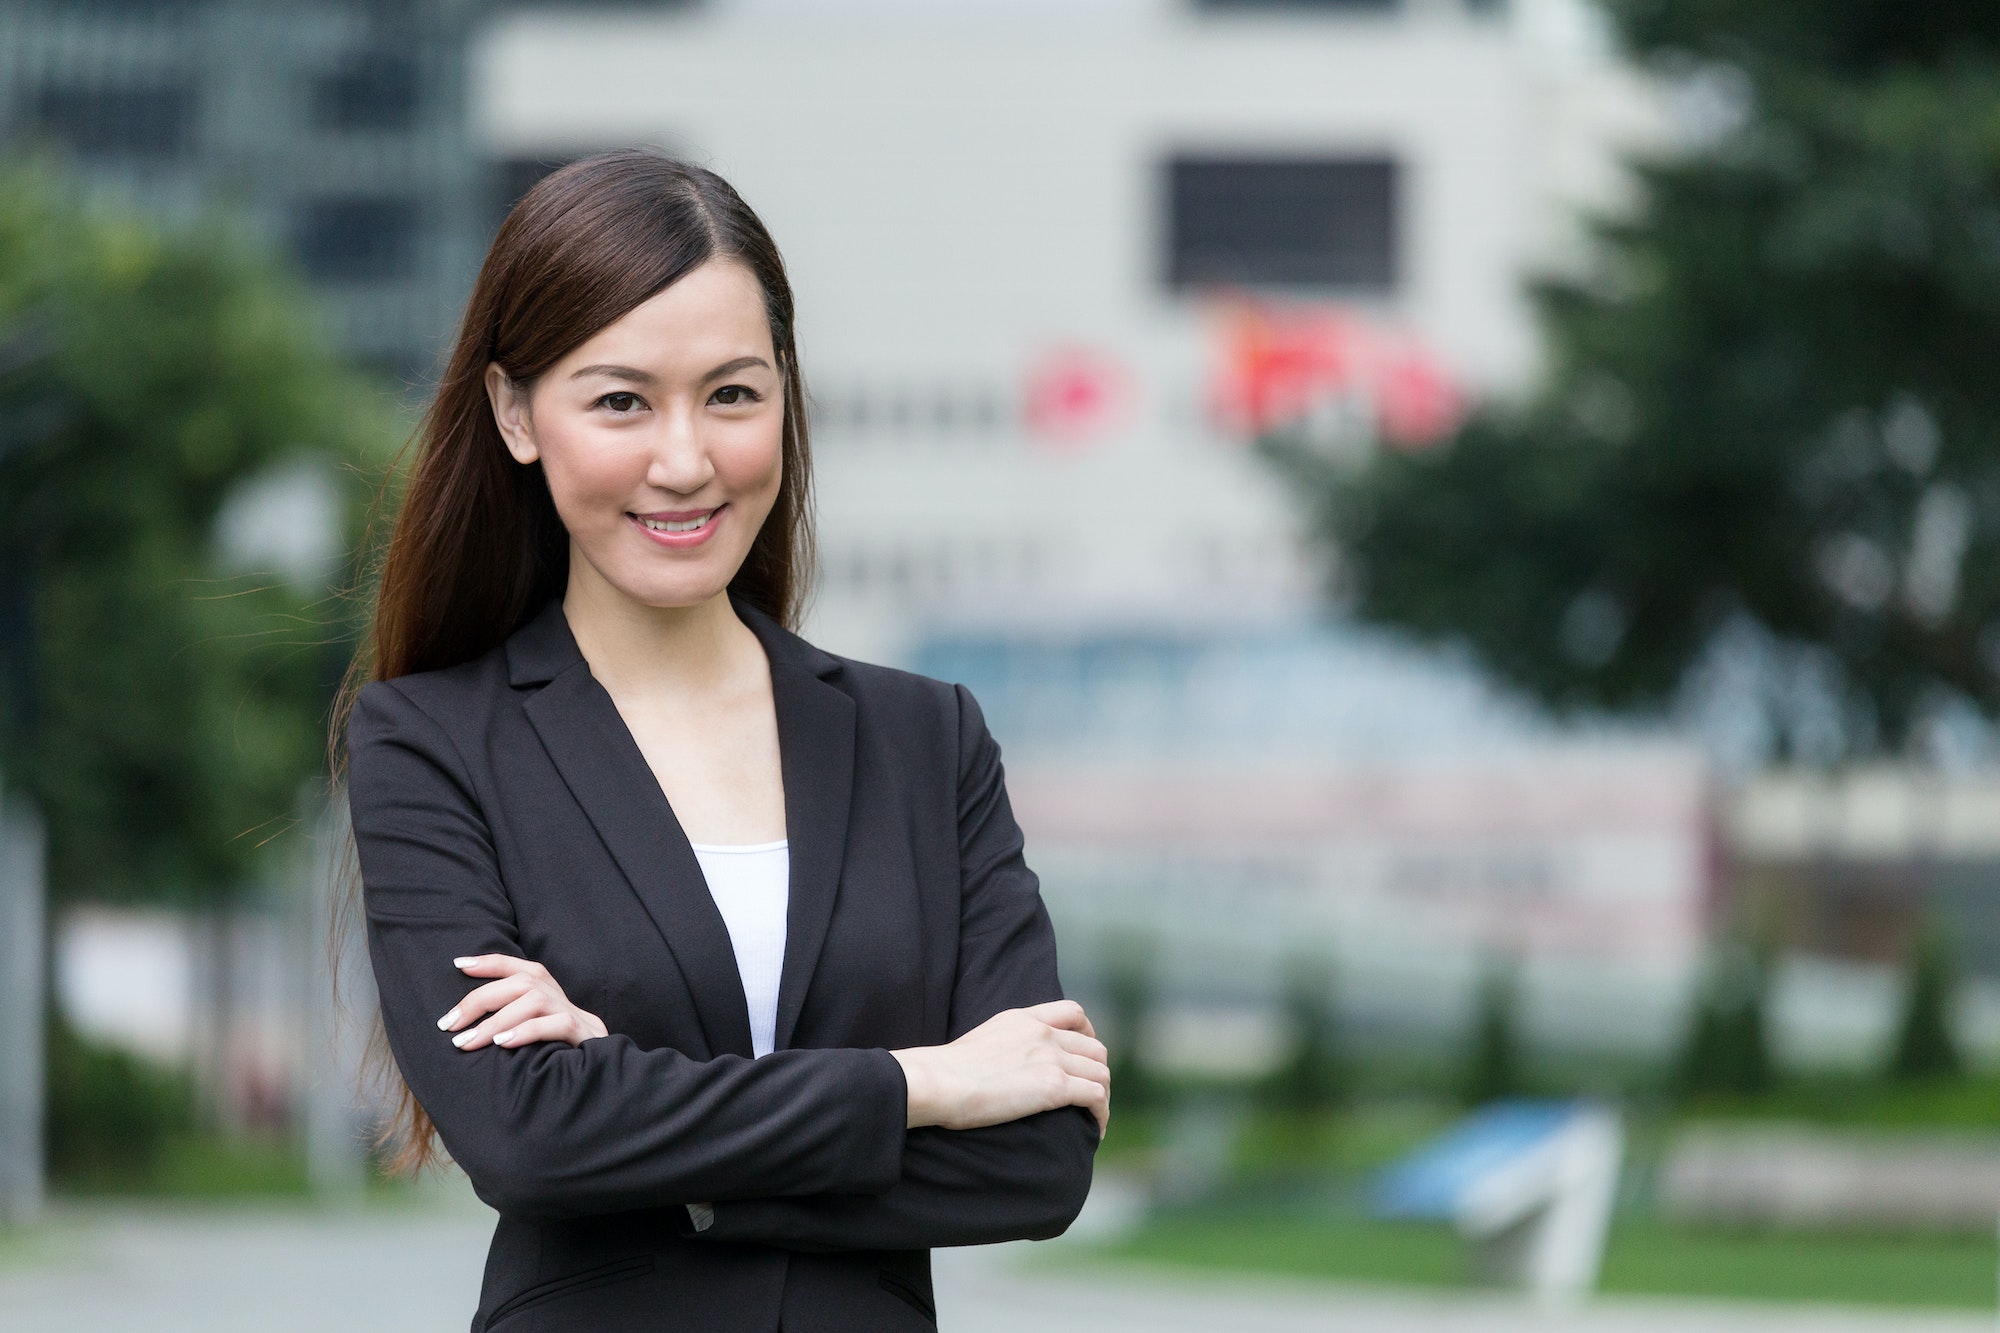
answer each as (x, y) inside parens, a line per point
(604, 1126)
(1023, 1180)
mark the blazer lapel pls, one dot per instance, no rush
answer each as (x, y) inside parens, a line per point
(592, 747)
(594, 751)
(816, 753)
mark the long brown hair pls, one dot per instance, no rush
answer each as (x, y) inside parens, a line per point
(476, 547)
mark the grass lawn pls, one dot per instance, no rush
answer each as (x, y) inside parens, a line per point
(198, 1167)
(17, 1244)
(1644, 1258)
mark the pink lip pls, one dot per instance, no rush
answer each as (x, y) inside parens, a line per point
(679, 539)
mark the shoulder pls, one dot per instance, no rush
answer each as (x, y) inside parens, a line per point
(892, 687)
(921, 707)
(450, 700)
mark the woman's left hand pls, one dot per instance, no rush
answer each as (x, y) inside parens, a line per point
(525, 1003)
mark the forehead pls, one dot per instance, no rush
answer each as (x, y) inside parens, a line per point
(714, 313)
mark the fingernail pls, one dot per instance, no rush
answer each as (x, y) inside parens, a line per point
(448, 1020)
(460, 962)
(462, 1038)
(504, 1037)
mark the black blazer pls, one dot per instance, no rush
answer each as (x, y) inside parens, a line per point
(503, 807)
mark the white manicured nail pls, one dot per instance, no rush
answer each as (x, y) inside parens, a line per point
(448, 1020)
(504, 1037)
(460, 962)
(462, 1038)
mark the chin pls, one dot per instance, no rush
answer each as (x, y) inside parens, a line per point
(669, 594)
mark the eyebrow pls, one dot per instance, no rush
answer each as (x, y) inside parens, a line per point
(637, 376)
(616, 373)
(731, 367)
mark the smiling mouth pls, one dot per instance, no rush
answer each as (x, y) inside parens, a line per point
(692, 524)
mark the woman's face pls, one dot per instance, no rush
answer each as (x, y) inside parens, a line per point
(661, 438)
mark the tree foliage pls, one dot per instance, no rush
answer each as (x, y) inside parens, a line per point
(1727, 1050)
(1131, 995)
(1770, 402)
(1312, 1078)
(1492, 1068)
(1926, 1046)
(161, 712)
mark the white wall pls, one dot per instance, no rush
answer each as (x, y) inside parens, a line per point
(961, 186)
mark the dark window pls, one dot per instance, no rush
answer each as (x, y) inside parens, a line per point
(151, 122)
(513, 177)
(1288, 222)
(379, 92)
(131, 8)
(1333, 6)
(357, 240)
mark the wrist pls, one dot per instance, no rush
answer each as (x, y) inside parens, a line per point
(921, 1082)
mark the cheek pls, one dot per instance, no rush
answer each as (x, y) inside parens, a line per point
(749, 460)
(589, 479)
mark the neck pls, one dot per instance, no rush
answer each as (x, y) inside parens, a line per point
(634, 649)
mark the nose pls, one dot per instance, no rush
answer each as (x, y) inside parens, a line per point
(680, 461)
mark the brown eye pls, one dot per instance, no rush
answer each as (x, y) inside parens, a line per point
(729, 395)
(619, 402)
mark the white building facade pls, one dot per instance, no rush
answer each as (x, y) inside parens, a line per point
(980, 197)
(1024, 236)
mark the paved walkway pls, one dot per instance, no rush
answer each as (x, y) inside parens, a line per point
(416, 1270)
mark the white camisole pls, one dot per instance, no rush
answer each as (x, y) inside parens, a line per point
(751, 885)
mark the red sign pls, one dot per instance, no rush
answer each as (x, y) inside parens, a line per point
(1279, 364)
(1074, 395)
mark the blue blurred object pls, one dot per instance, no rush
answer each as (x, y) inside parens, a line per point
(1432, 1182)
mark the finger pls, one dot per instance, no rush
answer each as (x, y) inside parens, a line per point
(498, 965)
(1066, 1014)
(1076, 1043)
(549, 1027)
(1081, 1066)
(532, 1005)
(484, 1000)
(1093, 1097)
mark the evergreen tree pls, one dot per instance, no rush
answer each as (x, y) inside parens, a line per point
(1492, 1069)
(1925, 1045)
(1313, 1078)
(1771, 415)
(1129, 1003)
(1727, 1050)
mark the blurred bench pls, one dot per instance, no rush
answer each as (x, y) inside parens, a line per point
(1529, 1184)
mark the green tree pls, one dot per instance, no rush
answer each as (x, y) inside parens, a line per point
(1131, 993)
(1770, 416)
(1492, 1068)
(1925, 1045)
(1727, 1050)
(159, 708)
(1312, 1080)
(160, 711)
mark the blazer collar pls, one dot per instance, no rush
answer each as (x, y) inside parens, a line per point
(591, 746)
(543, 647)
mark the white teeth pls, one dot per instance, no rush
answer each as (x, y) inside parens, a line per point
(676, 525)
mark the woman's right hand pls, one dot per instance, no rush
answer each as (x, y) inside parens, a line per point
(1016, 1063)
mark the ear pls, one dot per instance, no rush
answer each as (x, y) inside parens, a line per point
(510, 413)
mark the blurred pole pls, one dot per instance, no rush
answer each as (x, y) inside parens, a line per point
(336, 1161)
(22, 904)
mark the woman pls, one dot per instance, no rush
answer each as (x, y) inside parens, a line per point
(710, 957)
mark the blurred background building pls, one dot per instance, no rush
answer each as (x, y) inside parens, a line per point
(335, 133)
(1054, 262)
(1049, 258)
